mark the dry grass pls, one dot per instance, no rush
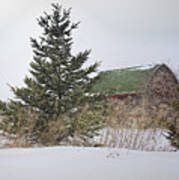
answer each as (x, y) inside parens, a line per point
(136, 124)
(139, 113)
(131, 123)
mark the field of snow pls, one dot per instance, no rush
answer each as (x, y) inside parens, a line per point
(77, 163)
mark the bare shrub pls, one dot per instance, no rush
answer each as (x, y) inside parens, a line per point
(136, 124)
(136, 139)
(138, 113)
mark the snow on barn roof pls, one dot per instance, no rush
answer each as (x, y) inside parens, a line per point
(131, 79)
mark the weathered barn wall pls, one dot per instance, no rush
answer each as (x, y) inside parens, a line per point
(162, 85)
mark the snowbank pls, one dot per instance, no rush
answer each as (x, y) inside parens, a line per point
(69, 163)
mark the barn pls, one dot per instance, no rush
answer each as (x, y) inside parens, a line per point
(157, 82)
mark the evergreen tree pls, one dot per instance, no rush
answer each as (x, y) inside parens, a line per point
(58, 81)
(173, 127)
(173, 134)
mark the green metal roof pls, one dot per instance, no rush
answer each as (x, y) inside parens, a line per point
(132, 79)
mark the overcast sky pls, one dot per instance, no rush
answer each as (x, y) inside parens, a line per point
(120, 33)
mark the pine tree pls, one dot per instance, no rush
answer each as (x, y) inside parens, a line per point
(173, 134)
(58, 81)
(173, 127)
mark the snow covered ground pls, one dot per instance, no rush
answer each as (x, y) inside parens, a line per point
(77, 163)
(136, 139)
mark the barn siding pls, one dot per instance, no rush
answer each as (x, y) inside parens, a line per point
(162, 85)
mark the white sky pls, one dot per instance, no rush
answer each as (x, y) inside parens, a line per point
(120, 33)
